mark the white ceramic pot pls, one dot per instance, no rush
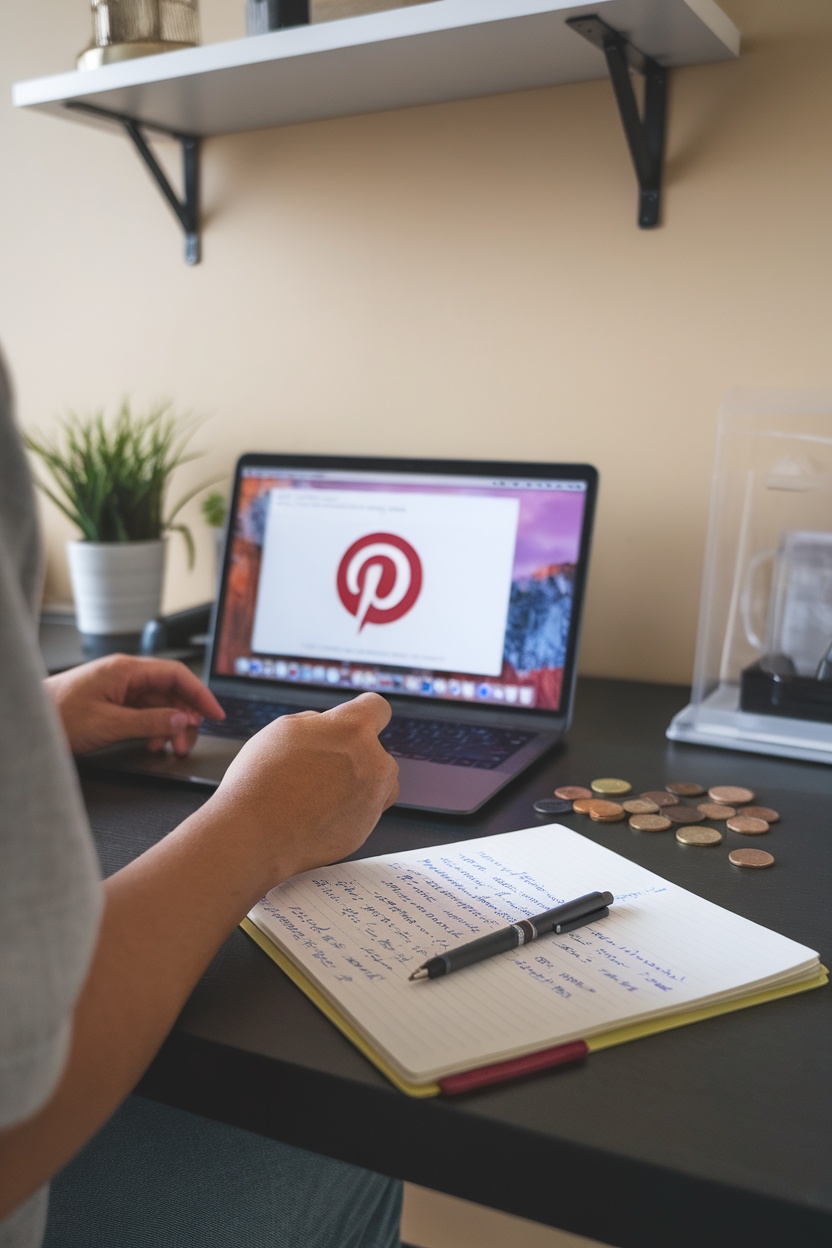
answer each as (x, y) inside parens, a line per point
(117, 586)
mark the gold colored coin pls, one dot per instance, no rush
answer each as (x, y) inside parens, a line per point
(640, 806)
(571, 792)
(609, 785)
(716, 810)
(684, 788)
(606, 812)
(698, 836)
(684, 814)
(649, 823)
(750, 858)
(761, 812)
(731, 794)
(747, 825)
(661, 797)
(583, 805)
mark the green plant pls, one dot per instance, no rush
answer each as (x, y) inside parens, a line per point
(112, 478)
(214, 508)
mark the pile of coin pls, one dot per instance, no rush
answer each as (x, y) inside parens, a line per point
(657, 810)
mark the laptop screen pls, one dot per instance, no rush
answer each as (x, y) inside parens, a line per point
(435, 584)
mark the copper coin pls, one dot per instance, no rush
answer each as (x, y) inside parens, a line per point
(649, 823)
(584, 805)
(698, 836)
(571, 792)
(715, 810)
(661, 797)
(640, 806)
(684, 814)
(730, 794)
(610, 785)
(762, 812)
(750, 858)
(747, 825)
(684, 788)
(606, 812)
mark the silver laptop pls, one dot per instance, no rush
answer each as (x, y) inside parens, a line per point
(452, 588)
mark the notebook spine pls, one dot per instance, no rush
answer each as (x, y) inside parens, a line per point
(514, 1068)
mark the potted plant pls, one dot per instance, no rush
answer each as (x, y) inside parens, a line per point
(214, 510)
(111, 480)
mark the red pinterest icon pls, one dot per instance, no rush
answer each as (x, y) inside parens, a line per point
(379, 578)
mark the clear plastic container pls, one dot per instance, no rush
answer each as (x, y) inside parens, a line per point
(767, 582)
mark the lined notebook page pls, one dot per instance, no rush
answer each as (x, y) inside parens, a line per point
(358, 929)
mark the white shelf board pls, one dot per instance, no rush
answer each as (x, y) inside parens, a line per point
(424, 54)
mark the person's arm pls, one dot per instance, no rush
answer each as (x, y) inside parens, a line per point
(307, 790)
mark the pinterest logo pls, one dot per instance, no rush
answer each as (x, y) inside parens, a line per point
(379, 578)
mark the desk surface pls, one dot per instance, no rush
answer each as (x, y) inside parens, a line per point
(715, 1134)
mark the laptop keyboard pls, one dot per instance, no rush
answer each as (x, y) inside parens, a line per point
(430, 740)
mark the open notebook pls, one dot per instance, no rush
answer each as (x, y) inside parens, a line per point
(349, 935)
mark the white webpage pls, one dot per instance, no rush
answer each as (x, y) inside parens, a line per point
(411, 580)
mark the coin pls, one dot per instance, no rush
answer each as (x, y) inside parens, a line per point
(584, 805)
(747, 825)
(571, 792)
(649, 823)
(640, 806)
(606, 812)
(762, 812)
(552, 806)
(730, 794)
(698, 836)
(715, 810)
(684, 814)
(750, 858)
(684, 788)
(608, 785)
(661, 797)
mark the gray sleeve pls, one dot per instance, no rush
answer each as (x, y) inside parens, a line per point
(49, 886)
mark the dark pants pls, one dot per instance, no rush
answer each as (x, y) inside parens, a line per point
(155, 1177)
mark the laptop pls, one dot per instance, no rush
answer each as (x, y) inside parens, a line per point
(454, 589)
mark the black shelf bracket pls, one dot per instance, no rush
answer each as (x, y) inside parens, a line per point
(186, 210)
(644, 131)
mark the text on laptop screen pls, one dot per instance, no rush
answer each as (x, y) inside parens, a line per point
(433, 586)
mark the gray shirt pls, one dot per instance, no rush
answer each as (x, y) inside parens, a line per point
(50, 897)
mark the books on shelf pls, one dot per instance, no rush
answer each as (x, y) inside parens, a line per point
(349, 935)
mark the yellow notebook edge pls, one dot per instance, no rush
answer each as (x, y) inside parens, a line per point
(326, 1007)
(623, 1035)
(605, 1040)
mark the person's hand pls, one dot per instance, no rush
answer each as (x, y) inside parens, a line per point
(120, 697)
(309, 788)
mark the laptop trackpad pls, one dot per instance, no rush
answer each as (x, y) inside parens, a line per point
(207, 762)
(438, 786)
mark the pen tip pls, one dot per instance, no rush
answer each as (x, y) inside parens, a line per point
(420, 973)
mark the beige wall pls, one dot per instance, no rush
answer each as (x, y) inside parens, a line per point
(462, 279)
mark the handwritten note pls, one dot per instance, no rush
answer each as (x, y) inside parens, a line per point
(358, 929)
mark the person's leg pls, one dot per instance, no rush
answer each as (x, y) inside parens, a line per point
(155, 1177)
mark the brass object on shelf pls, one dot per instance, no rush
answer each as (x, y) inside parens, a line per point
(124, 29)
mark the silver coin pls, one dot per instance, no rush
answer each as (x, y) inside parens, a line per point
(552, 806)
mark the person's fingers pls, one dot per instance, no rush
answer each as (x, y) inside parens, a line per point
(167, 678)
(368, 708)
(159, 724)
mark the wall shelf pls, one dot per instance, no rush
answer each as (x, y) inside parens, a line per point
(423, 54)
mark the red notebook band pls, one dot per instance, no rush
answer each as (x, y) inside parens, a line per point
(468, 1080)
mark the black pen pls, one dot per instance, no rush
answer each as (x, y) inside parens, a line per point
(563, 918)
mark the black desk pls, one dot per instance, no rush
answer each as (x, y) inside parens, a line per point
(717, 1134)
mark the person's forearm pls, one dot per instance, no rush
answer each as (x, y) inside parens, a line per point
(165, 916)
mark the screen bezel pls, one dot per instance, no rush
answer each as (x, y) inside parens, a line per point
(427, 467)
